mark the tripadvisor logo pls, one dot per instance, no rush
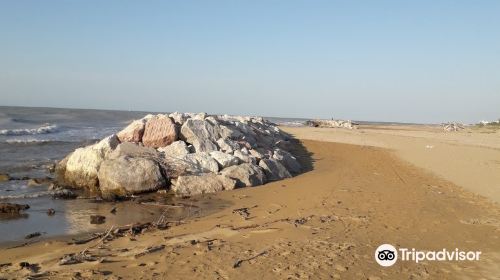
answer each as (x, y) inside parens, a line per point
(387, 255)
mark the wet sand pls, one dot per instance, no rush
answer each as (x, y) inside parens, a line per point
(72, 216)
(323, 224)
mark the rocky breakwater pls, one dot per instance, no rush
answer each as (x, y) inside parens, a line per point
(187, 153)
(332, 123)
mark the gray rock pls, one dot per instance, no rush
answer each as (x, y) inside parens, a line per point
(200, 184)
(175, 167)
(245, 174)
(178, 149)
(227, 145)
(245, 158)
(204, 161)
(230, 132)
(224, 160)
(128, 175)
(274, 170)
(201, 134)
(289, 161)
(260, 153)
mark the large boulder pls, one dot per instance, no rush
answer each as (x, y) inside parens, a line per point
(178, 149)
(133, 132)
(245, 174)
(81, 167)
(204, 161)
(204, 183)
(160, 131)
(133, 150)
(201, 134)
(129, 175)
(274, 170)
(224, 160)
(174, 167)
(289, 161)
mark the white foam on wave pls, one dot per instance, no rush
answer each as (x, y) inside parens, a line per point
(47, 128)
(27, 195)
(26, 141)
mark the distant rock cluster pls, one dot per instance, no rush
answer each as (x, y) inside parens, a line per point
(189, 153)
(453, 126)
(489, 123)
(332, 123)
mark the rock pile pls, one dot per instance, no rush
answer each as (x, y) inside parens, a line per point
(332, 123)
(453, 126)
(190, 153)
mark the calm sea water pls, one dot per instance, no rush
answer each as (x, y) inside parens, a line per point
(32, 139)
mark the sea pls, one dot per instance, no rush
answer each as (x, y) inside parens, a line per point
(32, 140)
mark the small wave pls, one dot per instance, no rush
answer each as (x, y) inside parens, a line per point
(63, 194)
(27, 141)
(47, 128)
(30, 195)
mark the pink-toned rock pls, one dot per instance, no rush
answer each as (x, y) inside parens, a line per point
(160, 131)
(133, 132)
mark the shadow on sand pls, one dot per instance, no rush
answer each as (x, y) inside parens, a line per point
(304, 156)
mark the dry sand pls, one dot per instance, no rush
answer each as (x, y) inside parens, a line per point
(325, 223)
(469, 158)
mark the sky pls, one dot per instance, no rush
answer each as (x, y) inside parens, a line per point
(409, 61)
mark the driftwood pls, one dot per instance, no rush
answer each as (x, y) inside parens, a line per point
(150, 250)
(76, 258)
(87, 239)
(243, 212)
(100, 241)
(238, 263)
(161, 205)
(132, 228)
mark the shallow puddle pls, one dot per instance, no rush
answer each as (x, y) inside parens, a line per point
(72, 217)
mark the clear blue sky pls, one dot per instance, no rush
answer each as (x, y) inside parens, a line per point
(416, 61)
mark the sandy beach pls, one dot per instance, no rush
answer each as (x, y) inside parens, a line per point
(410, 186)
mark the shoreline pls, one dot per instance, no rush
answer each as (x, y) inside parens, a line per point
(323, 223)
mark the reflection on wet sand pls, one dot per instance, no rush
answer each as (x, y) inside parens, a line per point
(72, 217)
